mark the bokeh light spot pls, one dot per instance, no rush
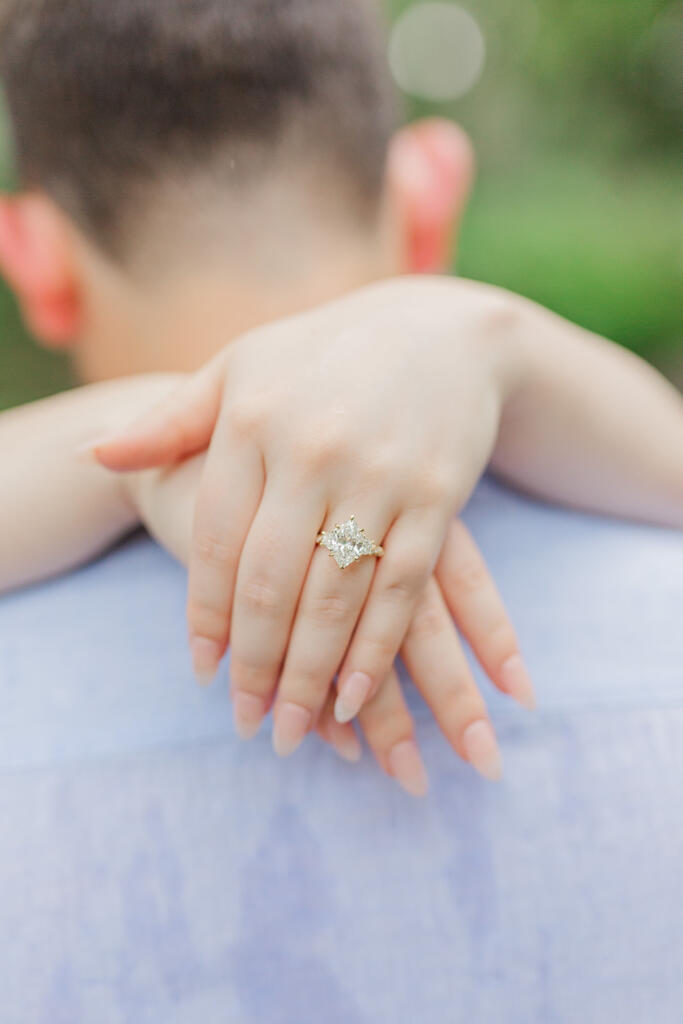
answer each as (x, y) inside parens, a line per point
(437, 51)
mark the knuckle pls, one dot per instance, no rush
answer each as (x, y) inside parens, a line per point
(377, 654)
(428, 623)
(207, 621)
(211, 551)
(176, 428)
(409, 576)
(322, 449)
(305, 682)
(252, 677)
(328, 609)
(470, 576)
(433, 485)
(258, 596)
(382, 465)
(400, 590)
(247, 415)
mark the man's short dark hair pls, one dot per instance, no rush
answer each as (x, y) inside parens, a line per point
(107, 95)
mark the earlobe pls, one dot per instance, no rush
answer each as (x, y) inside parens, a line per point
(54, 319)
(35, 259)
(431, 170)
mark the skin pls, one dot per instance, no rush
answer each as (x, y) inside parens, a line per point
(143, 317)
(482, 376)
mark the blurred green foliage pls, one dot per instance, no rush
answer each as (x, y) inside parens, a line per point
(578, 126)
(577, 122)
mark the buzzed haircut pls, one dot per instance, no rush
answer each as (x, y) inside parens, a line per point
(106, 96)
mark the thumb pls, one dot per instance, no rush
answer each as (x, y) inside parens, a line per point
(179, 426)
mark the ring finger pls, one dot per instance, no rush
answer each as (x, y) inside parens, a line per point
(329, 606)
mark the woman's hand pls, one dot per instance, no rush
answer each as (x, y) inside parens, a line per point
(461, 593)
(385, 405)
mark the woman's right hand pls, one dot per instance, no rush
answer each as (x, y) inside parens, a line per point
(461, 594)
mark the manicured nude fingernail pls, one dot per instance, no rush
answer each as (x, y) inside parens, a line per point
(407, 767)
(516, 682)
(206, 657)
(87, 452)
(352, 696)
(292, 722)
(345, 742)
(481, 748)
(248, 712)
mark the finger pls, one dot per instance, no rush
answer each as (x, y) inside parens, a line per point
(272, 569)
(412, 548)
(342, 737)
(180, 425)
(389, 730)
(436, 661)
(330, 603)
(227, 500)
(475, 604)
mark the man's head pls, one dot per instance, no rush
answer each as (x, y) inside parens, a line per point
(172, 150)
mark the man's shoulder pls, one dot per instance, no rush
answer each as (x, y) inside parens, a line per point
(96, 662)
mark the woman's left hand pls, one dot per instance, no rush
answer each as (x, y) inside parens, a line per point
(384, 405)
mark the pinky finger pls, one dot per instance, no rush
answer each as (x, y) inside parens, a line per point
(480, 614)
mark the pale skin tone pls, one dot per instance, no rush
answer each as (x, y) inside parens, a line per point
(68, 510)
(478, 376)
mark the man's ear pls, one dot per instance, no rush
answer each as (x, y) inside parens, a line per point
(36, 257)
(430, 174)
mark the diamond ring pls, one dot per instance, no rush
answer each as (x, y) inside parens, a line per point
(347, 543)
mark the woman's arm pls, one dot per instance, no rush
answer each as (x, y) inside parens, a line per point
(583, 421)
(590, 425)
(60, 509)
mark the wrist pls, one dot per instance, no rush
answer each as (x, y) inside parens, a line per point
(501, 332)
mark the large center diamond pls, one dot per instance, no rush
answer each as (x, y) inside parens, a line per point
(347, 542)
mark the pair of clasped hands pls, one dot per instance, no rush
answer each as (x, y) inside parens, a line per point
(383, 405)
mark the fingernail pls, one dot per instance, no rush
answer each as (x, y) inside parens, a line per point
(206, 657)
(481, 748)
(345, 742)
(516, 682)
(407, 767)
(291, 725)
(248, 712)
(352, 696)
(87, 452)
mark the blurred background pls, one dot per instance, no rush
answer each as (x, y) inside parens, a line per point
(576, 111)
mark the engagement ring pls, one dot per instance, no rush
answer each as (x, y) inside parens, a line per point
(347, 543)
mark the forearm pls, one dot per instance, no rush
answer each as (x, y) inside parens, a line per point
(590, 424)
(59, 509)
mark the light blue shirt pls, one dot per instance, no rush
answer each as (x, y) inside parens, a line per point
(155, 870)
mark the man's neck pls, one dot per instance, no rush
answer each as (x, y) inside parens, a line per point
(180, 325)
